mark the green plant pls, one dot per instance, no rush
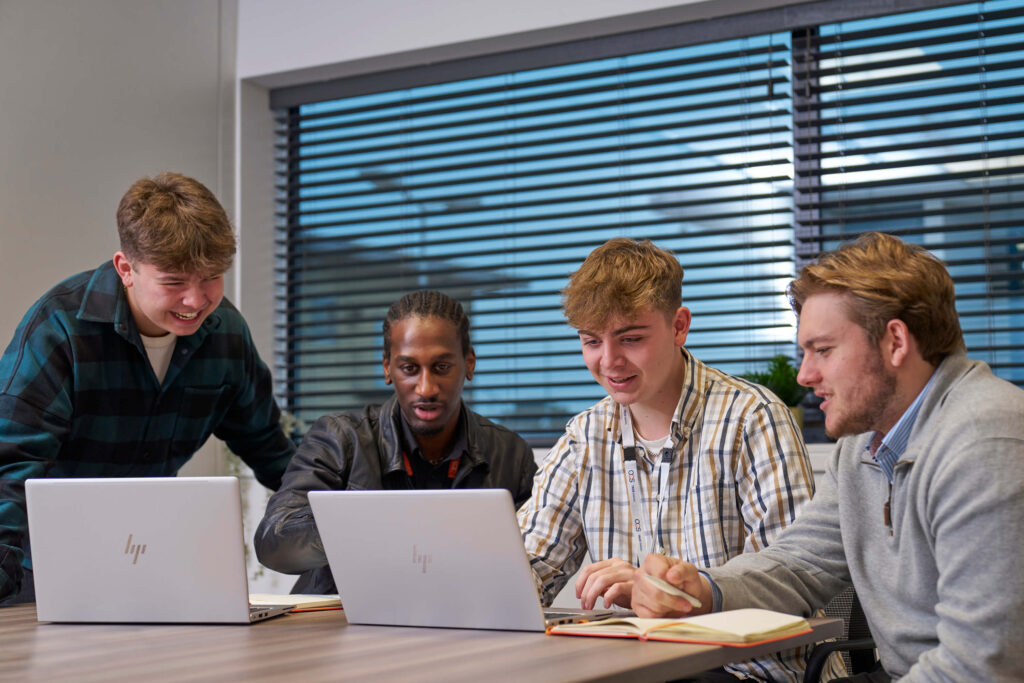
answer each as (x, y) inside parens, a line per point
(780, 378)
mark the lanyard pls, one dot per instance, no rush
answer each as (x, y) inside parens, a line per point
(453, 466)
(645, 541)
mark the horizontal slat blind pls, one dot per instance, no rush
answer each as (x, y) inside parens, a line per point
(912, 125)
(494, 189)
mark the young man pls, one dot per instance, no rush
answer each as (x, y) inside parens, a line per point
(424, 437)
(127, 369)
(922, 510)
(679, 458)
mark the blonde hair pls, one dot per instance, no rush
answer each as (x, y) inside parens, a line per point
(174, 223)
(622, 277)
(886, 278)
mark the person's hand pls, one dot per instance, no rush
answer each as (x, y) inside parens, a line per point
(609, 579)
(650, 601)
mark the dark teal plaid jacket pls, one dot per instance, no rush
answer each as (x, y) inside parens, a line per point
(79, 398)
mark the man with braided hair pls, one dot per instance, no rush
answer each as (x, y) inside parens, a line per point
(424, 437)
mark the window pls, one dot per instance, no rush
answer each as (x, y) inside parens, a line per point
(914, 127)
(746, 156)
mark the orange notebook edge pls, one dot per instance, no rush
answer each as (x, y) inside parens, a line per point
(752, 643)
(653, 636)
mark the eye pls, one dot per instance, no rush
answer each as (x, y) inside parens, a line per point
(632, 340)
(442, 368)
(823, 350)
(408, 368)
(590, 342)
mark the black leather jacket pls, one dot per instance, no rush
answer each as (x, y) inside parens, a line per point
(362, 452)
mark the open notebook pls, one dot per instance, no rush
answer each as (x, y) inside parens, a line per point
(740, 627)
(140, 550)
(450, 558)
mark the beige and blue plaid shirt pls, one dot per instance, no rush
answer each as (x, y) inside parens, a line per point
(739, 474)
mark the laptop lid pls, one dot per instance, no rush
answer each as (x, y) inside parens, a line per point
(442, 558)
(138, 549)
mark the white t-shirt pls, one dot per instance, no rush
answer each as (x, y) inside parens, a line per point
(159, 350)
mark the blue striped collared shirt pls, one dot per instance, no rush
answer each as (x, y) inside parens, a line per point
(894, 444)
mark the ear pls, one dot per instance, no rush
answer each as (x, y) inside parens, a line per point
(387, 369)
(681, 325)
(123, 268)
(470, 364)
(897, 343)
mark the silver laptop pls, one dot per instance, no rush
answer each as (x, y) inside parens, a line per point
(451, 558)
(140, 550)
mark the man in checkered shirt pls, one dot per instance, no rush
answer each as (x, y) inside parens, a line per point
(679, 458)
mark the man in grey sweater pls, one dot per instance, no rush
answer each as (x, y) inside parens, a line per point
(922, 506)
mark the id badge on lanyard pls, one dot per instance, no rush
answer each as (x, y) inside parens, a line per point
(644, 540)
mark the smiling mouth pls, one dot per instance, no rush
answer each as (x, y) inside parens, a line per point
(185, 316)
(620, 381)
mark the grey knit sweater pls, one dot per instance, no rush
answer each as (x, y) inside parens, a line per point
(943, 588)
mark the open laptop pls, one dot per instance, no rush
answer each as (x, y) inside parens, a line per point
(451, 558)
(140, 550)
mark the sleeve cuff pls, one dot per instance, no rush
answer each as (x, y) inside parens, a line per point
(716, 593)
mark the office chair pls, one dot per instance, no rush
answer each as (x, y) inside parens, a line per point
(857, 645)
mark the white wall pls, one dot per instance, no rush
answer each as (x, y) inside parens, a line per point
(283, 42)
(92, 96)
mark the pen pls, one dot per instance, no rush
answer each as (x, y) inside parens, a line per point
(667, 587)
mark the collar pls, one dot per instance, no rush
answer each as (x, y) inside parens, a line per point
(104, 300)
(894, 443)
(390, 436)
(409, 444)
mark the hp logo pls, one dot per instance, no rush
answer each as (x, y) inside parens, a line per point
(134, 549)
(420, 559)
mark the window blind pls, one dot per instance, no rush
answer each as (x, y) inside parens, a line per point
(912, 125)
(747, 157)
(494, 189)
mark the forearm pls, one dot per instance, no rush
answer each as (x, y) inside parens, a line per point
(801, 570)
(774, 580)
(287, 539)
(267, 454)
(252, 426)
(27, 448)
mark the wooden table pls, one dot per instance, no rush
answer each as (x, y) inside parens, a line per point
(322, 646)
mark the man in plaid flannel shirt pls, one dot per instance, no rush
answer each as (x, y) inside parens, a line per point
(125, 370)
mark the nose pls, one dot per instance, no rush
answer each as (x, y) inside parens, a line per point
(195, 296)
(611, 355)
(808, 375)
(426, 385)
